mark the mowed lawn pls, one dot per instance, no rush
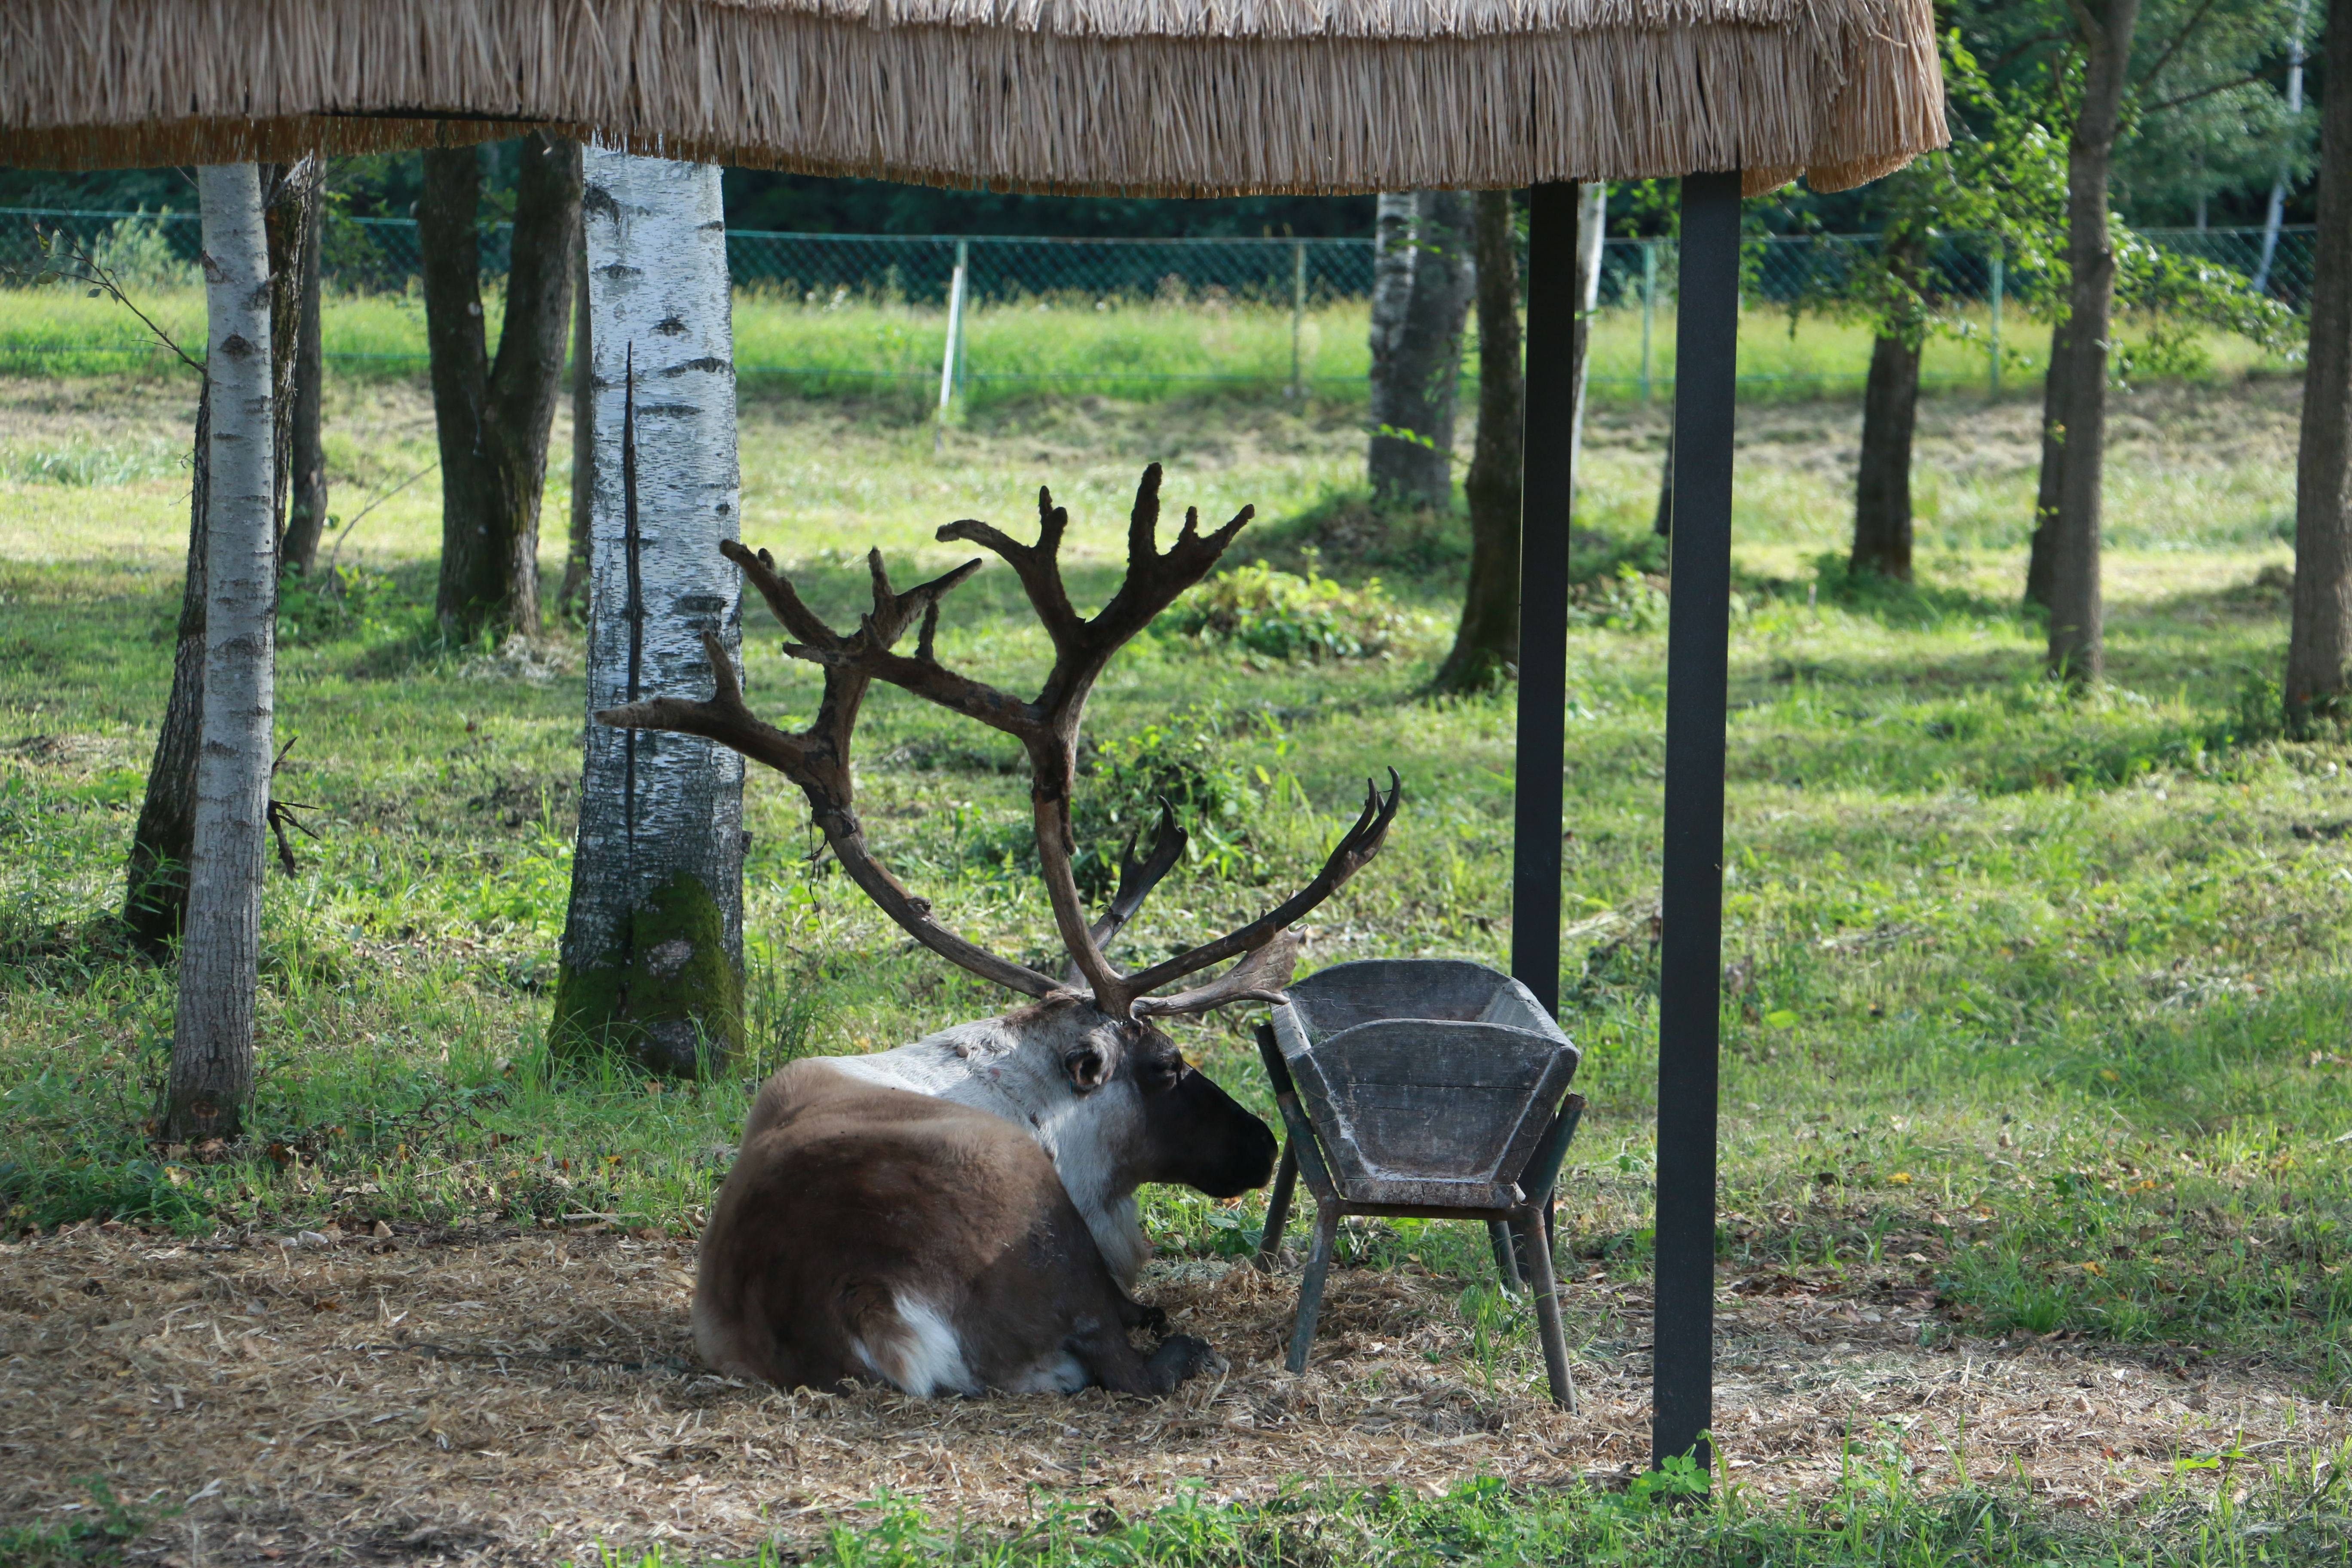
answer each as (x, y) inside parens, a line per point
(2036, 1003)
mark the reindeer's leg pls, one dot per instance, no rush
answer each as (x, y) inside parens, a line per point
(1103, 1349)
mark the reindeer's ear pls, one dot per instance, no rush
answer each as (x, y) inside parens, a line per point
(1088, 1065)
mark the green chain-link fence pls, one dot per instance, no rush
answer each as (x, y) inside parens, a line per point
(1265, 278)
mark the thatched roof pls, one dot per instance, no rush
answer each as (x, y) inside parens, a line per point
(1138, 97)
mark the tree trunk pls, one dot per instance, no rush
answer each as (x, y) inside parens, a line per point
(653, 946)
(2320, 645)
(155, 899)
(2077, 648)
(573, 598)
(306, 513)
(2041, 562)
(494, 417)
(1422, 279)
(1485, 644)
(212, 1036)
(1591, 232)
(1882, 491)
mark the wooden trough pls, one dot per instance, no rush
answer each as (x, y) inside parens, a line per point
(1429, 1090)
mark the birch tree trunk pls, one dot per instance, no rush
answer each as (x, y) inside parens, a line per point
(155, 901)
(2077, 644)
(494, 417)
(212, 1036)
(1591, 230)
(1421, 285)
(653, 946)
(1486, 642)
(2319, 647)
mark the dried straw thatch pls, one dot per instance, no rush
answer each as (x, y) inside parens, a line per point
(1141, 97)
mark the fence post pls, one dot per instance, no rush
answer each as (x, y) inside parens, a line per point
(1298, 314)
(1996, 325)
(1649, 307)
(949, 356)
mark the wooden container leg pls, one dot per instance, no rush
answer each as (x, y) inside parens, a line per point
(1310, 1289)
(1505, 1265)
(1545, 1290)
(1278, 1210)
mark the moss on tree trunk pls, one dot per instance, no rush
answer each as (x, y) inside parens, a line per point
(665, 990)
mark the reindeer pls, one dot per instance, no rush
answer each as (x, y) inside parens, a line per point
(958, 1214)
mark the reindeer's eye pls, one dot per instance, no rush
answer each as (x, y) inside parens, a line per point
(1159, 1073)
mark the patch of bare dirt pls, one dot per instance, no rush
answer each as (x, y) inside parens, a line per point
(520, 1399)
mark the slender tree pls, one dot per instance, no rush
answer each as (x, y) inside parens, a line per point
(305, 511)
(2077, 644)
(1890, 412)
(1486, 644)
(494, 417)
(1422, 283)
(155, 899)
(2319, 646)
(212, 1039)
(652, 960)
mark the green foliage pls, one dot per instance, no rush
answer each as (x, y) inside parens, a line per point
(96, 1533)
(1258, 609)
(1189, 764)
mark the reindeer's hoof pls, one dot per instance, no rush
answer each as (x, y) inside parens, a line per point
(1181, 1356)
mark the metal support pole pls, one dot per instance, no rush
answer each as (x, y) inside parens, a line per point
(1698, 639)
(1997, 281)
(1547, 488)
(1648, 307)
(1297, 315)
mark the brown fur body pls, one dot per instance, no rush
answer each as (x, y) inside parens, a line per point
(869, 1231)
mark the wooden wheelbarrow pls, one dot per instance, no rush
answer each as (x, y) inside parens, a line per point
(1426, 1090)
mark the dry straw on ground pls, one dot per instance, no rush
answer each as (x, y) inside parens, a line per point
(521, 1398)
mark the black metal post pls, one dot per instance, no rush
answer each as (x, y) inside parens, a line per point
(1691, 945)
(1546, 487)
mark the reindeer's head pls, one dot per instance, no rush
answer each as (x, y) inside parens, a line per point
(1120, 1003)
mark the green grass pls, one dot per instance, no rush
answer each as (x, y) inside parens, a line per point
(1876, 1518)
(2047, 991)
(866, 348)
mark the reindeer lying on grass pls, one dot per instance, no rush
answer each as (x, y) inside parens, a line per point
(959, 1214)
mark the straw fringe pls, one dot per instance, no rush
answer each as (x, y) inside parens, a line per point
(1048, 95)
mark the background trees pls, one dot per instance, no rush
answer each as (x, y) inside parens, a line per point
(494, 417)
(1422, 283)
(2319, 644)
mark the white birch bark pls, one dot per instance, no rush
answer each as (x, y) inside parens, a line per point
(1591, 221)
(653, 944)
(212, 1036)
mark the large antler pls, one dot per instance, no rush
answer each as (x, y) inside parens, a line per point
(817, 758)
(1047, 730)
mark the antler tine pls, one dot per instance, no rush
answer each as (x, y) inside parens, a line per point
(760, 571)
(1137, 878)
(723, 719)
(1356, 848)
(817, 759)
(1259, 976)
(1143, 522)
